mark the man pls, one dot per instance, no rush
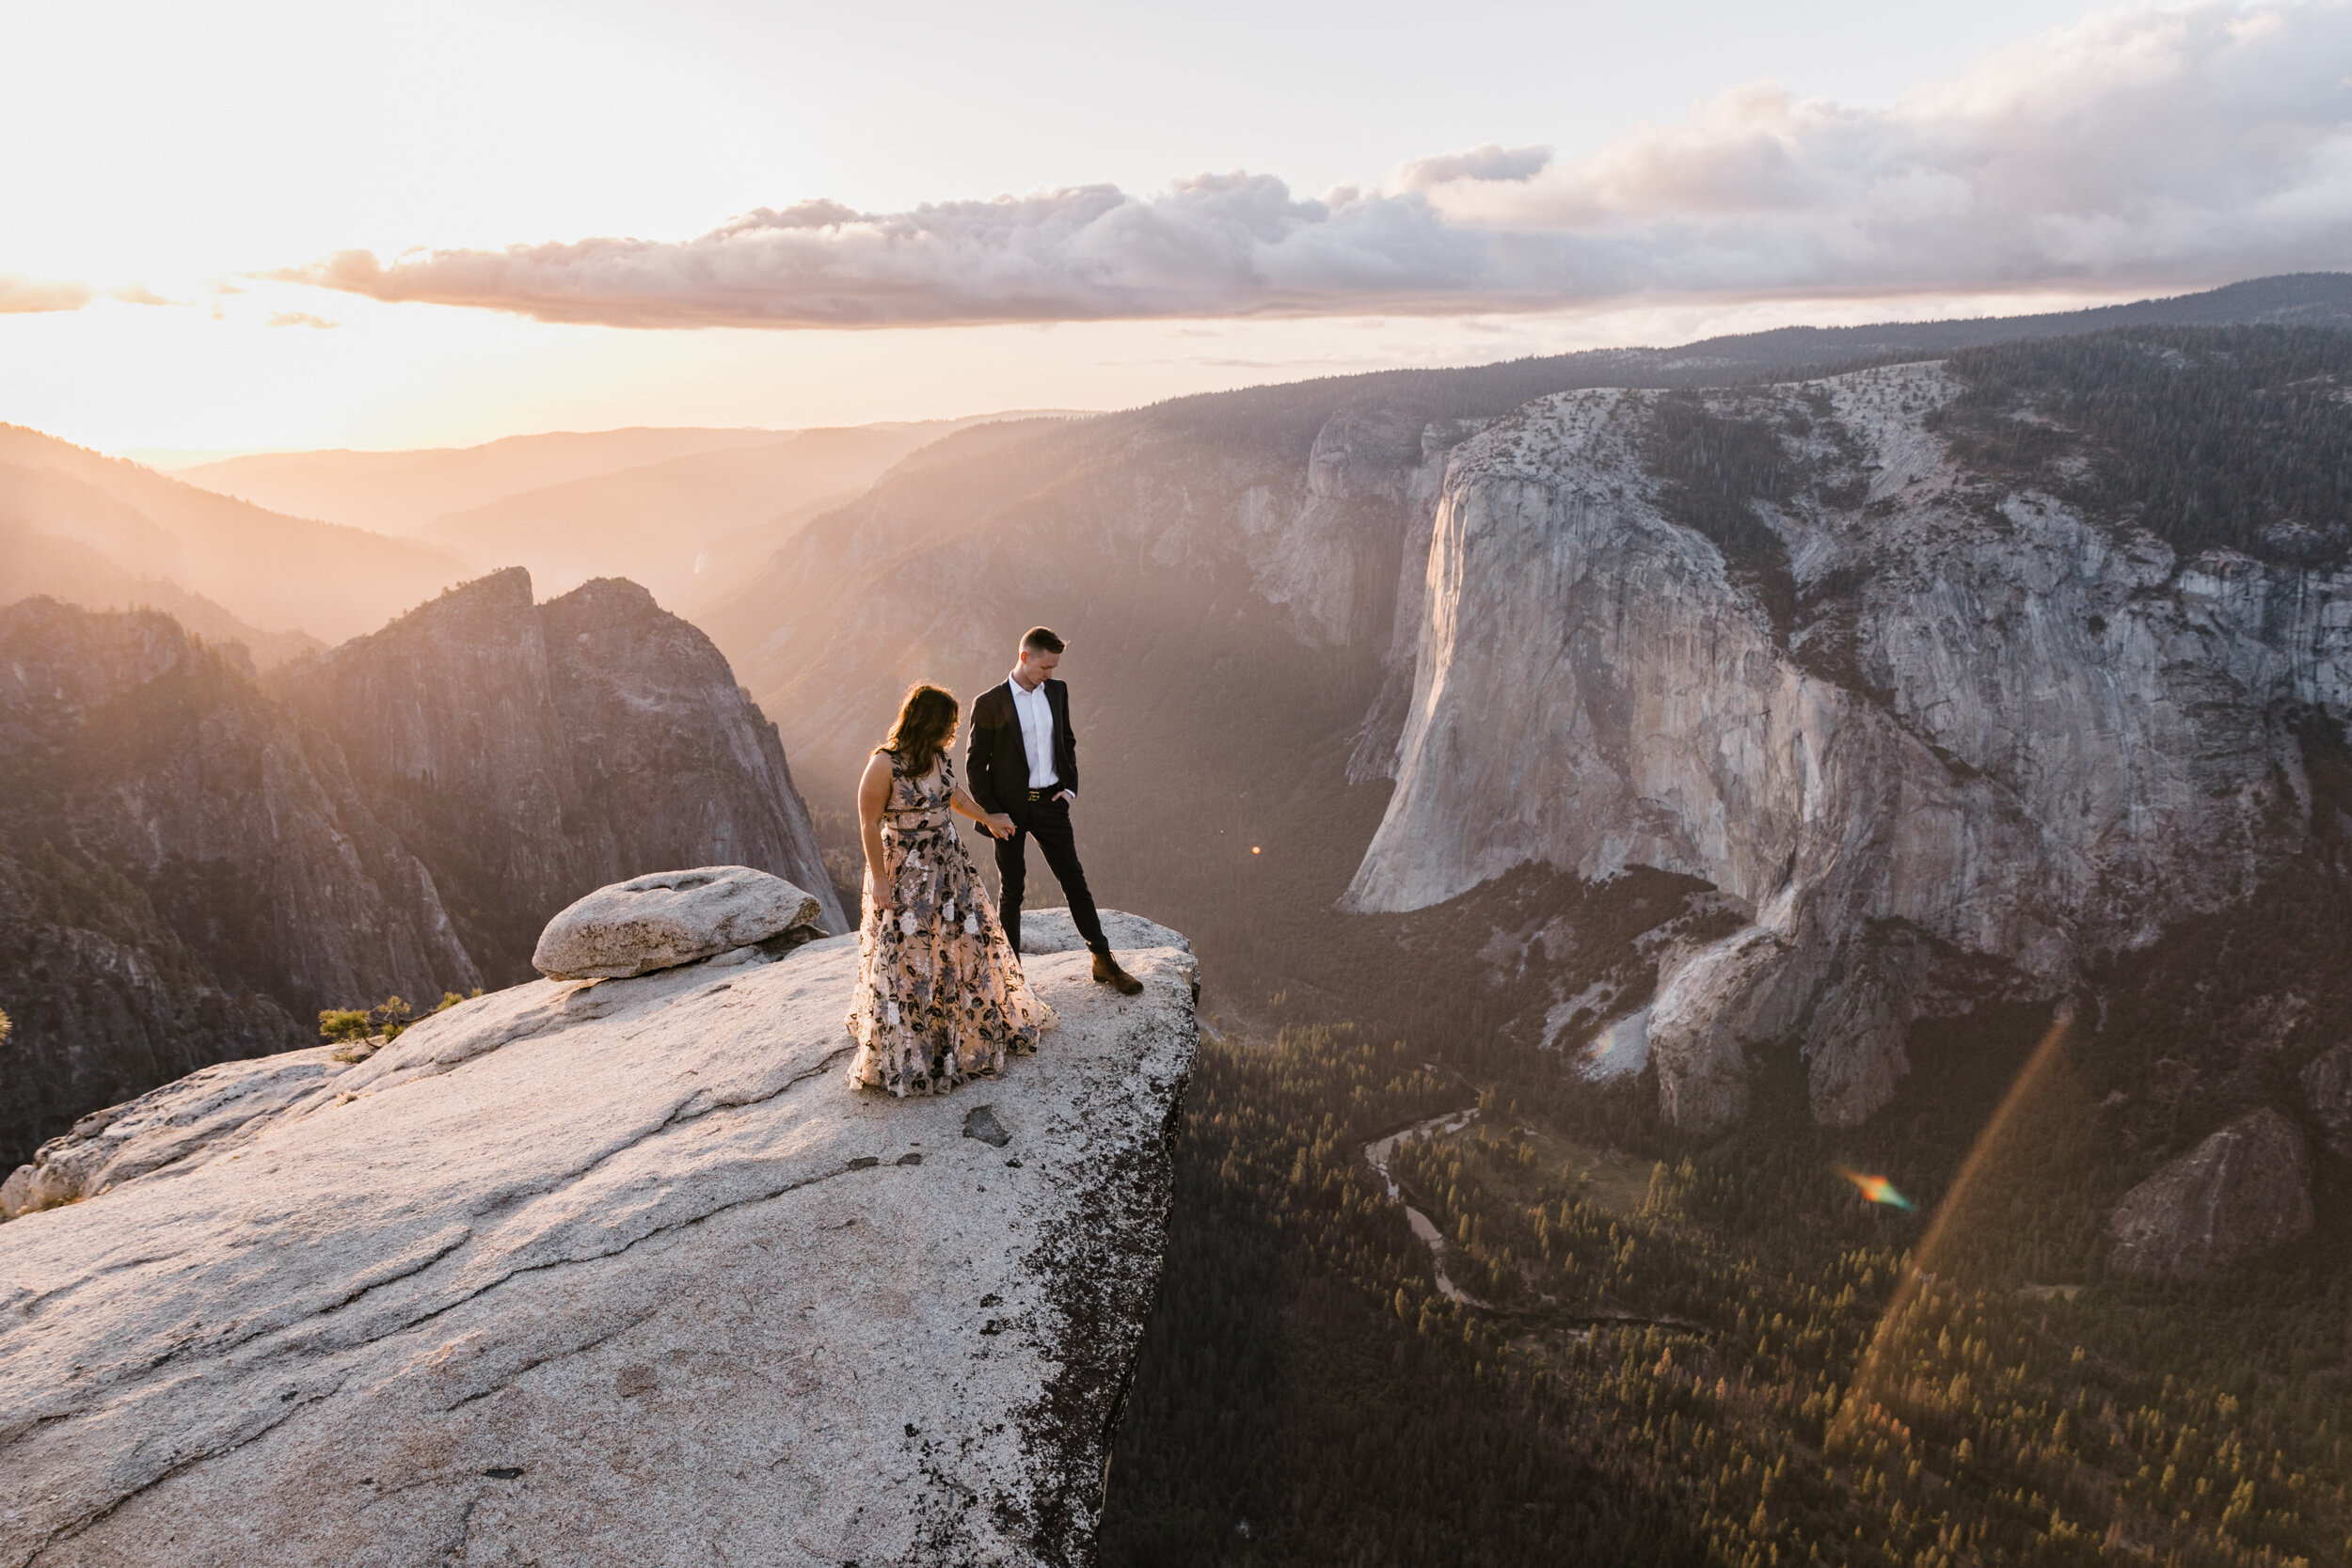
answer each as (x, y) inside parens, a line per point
(1023, 761)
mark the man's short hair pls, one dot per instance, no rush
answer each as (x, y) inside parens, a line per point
(1043, 639)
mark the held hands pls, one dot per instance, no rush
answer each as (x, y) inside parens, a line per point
(999, 824)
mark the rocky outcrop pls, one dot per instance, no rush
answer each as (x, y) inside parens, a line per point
(540, 751)
(191, 866)
(2242, 1192)
(125, 732)
(1953, 728)
(667, 919)
(165, 1126)
(617, 1271)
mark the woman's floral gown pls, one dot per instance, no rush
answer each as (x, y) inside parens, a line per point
(940, 995)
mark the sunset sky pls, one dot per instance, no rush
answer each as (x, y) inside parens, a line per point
(267, 226)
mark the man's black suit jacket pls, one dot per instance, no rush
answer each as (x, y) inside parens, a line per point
(996, 763)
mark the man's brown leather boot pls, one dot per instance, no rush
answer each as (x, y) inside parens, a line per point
(1107, 970)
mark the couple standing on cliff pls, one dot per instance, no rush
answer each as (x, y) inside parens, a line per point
(939, 994)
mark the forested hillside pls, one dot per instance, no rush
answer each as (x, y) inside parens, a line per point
(2207, 440)
(1687, 1354)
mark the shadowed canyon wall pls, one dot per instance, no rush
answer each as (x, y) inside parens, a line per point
(192, 865)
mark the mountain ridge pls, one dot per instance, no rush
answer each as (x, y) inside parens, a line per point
(271, 570)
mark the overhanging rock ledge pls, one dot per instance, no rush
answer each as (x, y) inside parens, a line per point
(610, 1272)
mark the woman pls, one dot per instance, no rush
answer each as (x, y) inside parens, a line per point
(939, 994)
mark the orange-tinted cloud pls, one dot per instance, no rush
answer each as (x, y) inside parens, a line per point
(29, 295)
(2152, 147)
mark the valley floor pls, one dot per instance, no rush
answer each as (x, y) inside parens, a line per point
(1698, 1356)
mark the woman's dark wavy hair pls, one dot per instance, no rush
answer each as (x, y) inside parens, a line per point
(926, 720)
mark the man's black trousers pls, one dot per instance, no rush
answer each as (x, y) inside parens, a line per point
(1049, 824)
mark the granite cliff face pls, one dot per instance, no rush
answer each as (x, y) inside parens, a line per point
(124, 731)
(184, 873)
(609, 1271)
(191, 863)
(1969, 725)
(537, 751)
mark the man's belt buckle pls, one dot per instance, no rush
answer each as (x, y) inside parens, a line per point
(1036, 795)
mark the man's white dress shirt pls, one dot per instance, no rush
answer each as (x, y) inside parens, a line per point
(1037, 733)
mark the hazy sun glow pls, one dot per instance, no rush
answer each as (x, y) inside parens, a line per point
(280, 366)
(172, 159)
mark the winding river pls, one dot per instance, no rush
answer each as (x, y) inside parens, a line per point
(1377, 1155)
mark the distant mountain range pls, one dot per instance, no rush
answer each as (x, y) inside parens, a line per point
(683, 512)
(76, 522)
(285, 552)
(2292, 299)
(683, 525)
(401, 492)
(281, 551)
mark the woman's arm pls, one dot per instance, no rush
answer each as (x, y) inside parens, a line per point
(873, 794)
(997, 821)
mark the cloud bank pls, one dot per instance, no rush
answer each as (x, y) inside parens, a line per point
(2182, 146)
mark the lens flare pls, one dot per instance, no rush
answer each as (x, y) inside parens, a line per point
(1876, 1188)
(1881, 1370)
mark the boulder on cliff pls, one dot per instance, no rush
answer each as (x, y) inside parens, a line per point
(614, 1270)
(667, 919)
(2243, 1190)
